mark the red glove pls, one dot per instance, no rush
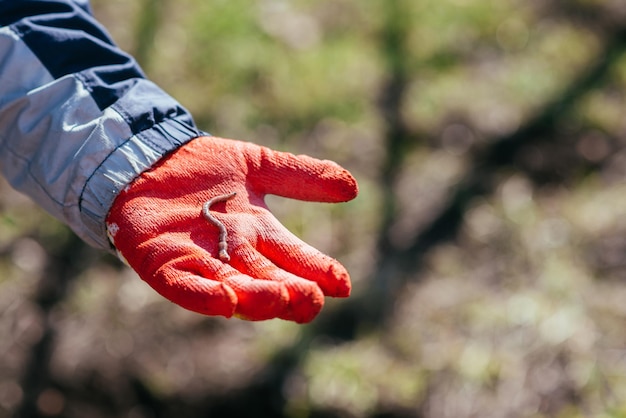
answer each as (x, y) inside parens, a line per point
(157, 224)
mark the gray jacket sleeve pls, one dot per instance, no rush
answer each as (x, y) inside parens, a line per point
(78, 119)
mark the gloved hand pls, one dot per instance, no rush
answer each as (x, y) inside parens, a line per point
(157, 225)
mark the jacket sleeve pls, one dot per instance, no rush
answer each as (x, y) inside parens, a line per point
(78, 119)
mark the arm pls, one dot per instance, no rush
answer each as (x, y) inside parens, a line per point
(78, 119)
(93, 142)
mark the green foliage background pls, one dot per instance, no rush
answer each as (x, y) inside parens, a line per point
(487, 246)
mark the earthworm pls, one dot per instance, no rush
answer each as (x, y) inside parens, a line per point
(223, 246)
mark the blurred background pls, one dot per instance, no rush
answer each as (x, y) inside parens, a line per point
(487, 247)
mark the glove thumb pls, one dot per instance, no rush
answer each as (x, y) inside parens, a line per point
(300, 177)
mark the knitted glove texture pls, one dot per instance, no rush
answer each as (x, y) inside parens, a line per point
(158, 227)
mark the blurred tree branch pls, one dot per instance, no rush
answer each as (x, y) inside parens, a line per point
(370, 309)
(396, 266)
(503, 152)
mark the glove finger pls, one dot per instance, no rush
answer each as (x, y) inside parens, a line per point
(306, 299)
(291, 254)
(258, 299)
(178, 280)
(299, 176)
